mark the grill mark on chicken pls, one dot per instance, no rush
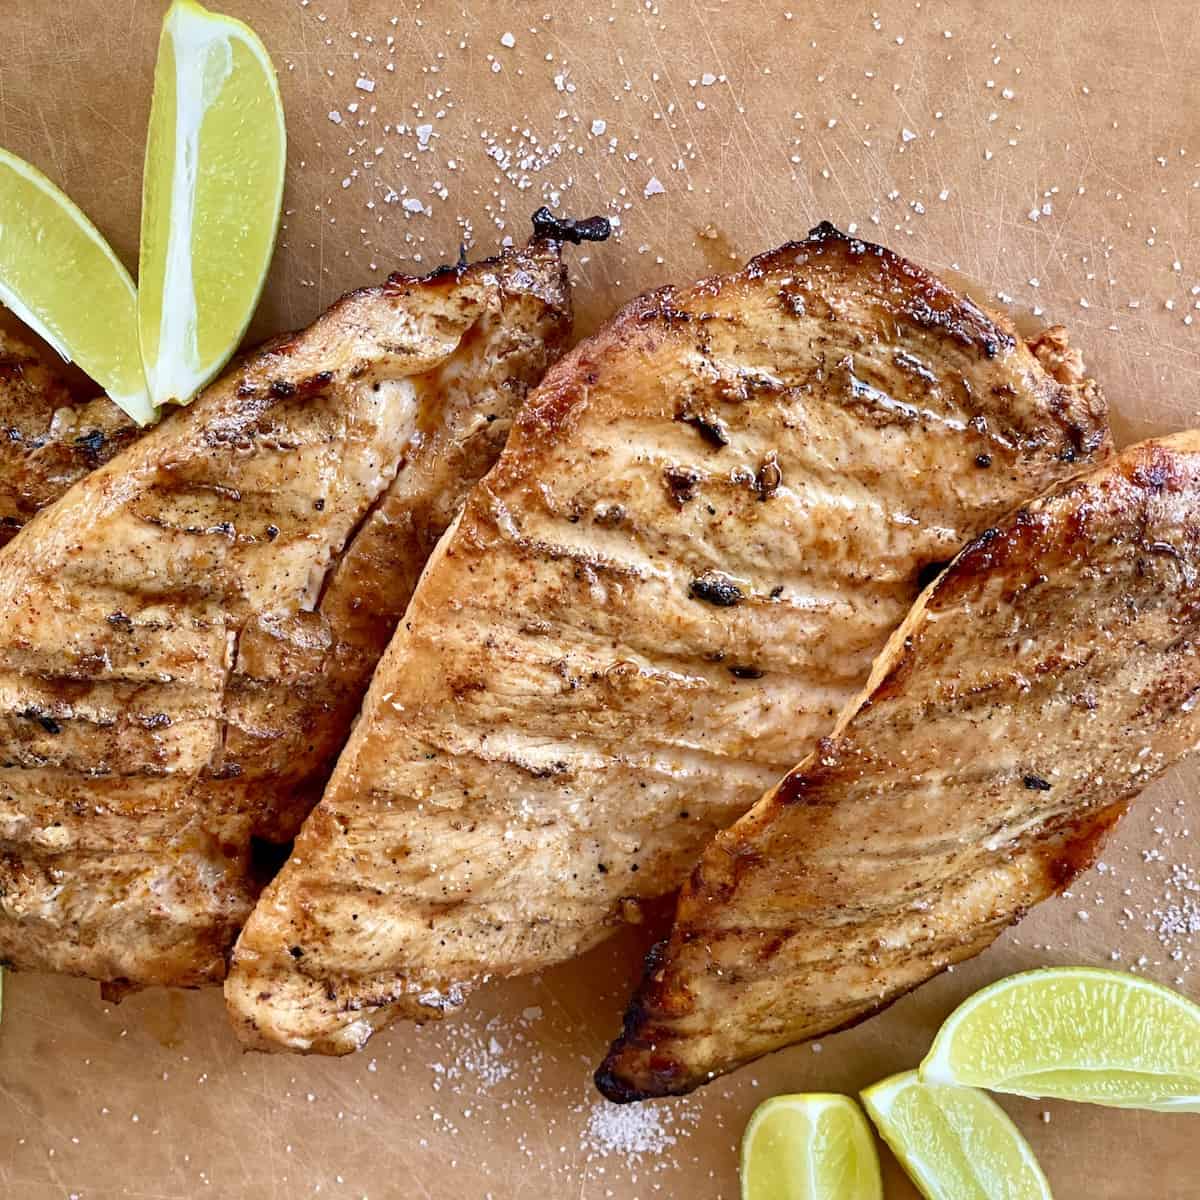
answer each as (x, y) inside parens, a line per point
(487, 888)
(199, 618)
(938, 812)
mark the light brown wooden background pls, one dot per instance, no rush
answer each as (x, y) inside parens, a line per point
(1088, 108)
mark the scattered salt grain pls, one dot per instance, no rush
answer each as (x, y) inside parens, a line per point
(627, 1130)
(364, 84)
(654, 187)
(507, 40)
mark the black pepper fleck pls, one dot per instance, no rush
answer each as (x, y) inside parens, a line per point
(746, 672)
(715, 589)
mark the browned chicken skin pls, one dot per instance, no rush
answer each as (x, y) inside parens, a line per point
(1043, 681)
(703, 528)
(48, 440)
(186, 635)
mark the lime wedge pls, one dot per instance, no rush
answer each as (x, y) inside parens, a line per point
(954, 1142)
(51, 255)
(1075, 1033)
(809, 1147)
(211, 196)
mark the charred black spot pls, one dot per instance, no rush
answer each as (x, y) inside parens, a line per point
(602, 868)
(282, 389)
(707, 426)
(272, 532)
(319, 504)
(682, 483)
(1035, 783)
(746, 672)
(91, 443)
(776, 592)
(296, 951)
(715, 589)
(119, 620)
(983, 460)
(43, 718)
(563, 229)
(825, 231)
(245, 389)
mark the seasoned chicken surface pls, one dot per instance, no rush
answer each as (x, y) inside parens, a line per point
(47, 439)
(186, 636)
(705, 524)
(1042, 682)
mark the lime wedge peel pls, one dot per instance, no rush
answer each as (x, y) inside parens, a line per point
(1075, 1033)
(955, 1143)
(809, 1147)
(212, 197)
(60, 276)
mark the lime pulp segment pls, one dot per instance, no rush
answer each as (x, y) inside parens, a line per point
(60, 276)
(955, 1143)
(212, 193)
(809, 1147)
(1075, 1033)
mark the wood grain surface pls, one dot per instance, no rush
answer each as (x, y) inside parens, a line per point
(1048, 151)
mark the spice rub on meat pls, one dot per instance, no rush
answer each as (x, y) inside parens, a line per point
(1035, 689)
(187, 634)
(704, 526)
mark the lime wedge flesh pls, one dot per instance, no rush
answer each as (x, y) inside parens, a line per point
(809, 1147)
(211, 196)
(1075, 1033)
(955, 1143)
(59, 275)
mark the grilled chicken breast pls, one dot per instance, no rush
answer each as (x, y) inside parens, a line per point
(186, 635)
(704, 525)
(47, 439)
(1042, 682)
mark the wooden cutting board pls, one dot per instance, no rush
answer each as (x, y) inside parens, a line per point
(1051, 152)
